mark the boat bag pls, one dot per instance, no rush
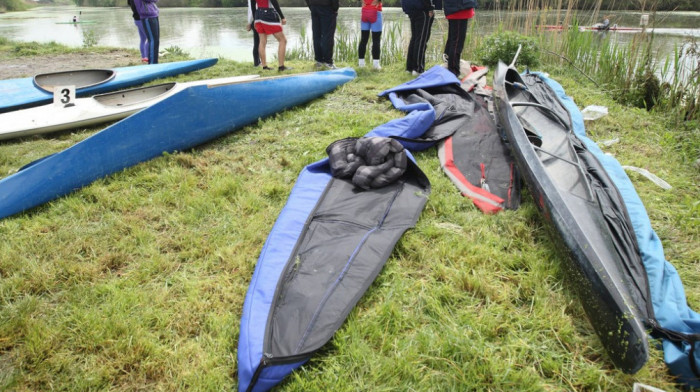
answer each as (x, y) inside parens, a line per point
(472, 151)
(670, 318)
(327, 246)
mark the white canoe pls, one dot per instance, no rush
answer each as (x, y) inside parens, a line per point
(94, 110)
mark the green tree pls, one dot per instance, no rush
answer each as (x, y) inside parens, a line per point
(13, 5)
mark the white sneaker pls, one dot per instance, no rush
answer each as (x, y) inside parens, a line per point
(375, 64)
(415, 73)
(362, 62)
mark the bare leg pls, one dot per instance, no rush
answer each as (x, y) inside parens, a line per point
(282, 47)
(261, 50)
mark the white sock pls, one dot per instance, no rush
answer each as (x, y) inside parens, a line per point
(362, 62)
(376, 64)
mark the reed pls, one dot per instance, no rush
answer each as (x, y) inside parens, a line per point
(305, 49)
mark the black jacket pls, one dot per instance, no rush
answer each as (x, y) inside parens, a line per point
(410, 6)
(334, 4)
(452, 6)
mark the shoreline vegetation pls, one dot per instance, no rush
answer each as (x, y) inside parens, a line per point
(137, 280)
(603, 5)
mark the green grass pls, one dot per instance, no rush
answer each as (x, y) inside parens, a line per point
(136, 281)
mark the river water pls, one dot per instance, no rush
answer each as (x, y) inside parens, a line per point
(220, 32)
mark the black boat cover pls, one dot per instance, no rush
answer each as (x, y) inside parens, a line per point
(327, 246)
(472, 152)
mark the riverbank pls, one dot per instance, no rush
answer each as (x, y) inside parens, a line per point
(25, 59)
(137, 281)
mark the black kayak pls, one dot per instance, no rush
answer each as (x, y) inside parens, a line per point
(576, 195)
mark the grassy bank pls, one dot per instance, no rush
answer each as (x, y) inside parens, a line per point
(136, 282)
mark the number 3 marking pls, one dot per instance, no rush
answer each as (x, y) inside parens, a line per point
(66, 96)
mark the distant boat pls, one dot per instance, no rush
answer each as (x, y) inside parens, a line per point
(595, 27)
(78, 22)
(28, 92)
(95, 110)
(187, 119)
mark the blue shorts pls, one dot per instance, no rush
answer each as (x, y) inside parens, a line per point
(375, 27)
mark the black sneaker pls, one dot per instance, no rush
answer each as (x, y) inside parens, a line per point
(266, 68)
(283, 68)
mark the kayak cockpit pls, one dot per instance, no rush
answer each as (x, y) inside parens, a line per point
(79, 79)
(134, 96)
(550, 134)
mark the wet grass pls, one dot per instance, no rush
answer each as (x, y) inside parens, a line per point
(136, 281)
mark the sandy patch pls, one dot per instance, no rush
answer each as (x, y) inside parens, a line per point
(30, 66)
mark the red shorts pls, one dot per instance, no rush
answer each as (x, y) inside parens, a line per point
(267, 29)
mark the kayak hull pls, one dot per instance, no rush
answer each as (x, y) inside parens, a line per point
(189, 118)
(555, 175)
(95, 110)
(27, 92)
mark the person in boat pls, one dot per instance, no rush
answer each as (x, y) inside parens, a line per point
(371, 20)
(457, 13)
(421, 13)
(143, 44)
(267, 18)
(148, 11)
(606, 24)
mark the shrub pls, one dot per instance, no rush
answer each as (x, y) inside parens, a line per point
(89, 39)
(503, 45)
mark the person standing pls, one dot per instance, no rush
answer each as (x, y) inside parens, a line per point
(457, 13)
(371, 20)
(143, 44)
(148, 11)
(268, 21)
(324, 14)
(421, 14)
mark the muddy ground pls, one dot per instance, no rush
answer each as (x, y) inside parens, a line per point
(30, 66)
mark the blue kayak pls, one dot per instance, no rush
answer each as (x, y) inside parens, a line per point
(187, 119)
(38, 90)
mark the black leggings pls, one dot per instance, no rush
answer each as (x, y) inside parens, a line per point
(456, 34)
(376, 40)
(256, 44)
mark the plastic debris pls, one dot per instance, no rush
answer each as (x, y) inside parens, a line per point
(608, 143)
(650, 176)
(594, 112)
(639, 387)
